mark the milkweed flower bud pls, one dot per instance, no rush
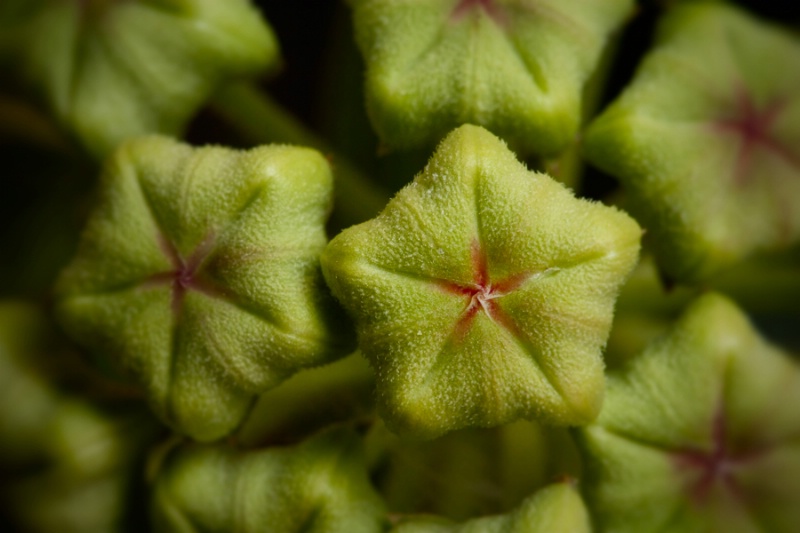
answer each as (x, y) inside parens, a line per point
(113, 70)
(483, 292)
(319, 485)
(706, 139)
(699, 433)
(516, 68)
(198, 276)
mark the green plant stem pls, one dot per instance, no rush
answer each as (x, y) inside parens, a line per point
(261, 120)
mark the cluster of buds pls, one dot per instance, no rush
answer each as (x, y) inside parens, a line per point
(487, 347)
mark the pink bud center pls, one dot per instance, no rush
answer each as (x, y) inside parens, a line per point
(488, 6)
(754, 127)
(714, 467)
(482, 294)
(184, 274)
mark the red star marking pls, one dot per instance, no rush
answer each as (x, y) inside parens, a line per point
(481, 294)
(183, 275)
(717, 465)
(753, 126)
(465, 6)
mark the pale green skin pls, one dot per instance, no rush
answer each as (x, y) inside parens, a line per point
(712, 364)
(689, 187)
(113, 70)
(317, 486)
(569, 255)
(519, 73)
(261, 312)
(554, 509)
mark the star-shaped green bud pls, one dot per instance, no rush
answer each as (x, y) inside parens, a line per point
(198, 275)
(555, 509)
(115, 69)
(318, 486)
(700, 432)
(484, 292)
(707, 139)
(514, 66)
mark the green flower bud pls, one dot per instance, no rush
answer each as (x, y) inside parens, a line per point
(318, 486)
(112, 70)
(515, 67)
(198, 276)
(708, 131)
(483, 292)
(555, 509)
(699, 433)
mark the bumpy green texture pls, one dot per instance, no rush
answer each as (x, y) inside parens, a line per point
(198, 276)
(700, 433)
(555, 509)
(113, 70)
(707, 139)
(318, 486)
(516, 67)
(483, 292)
